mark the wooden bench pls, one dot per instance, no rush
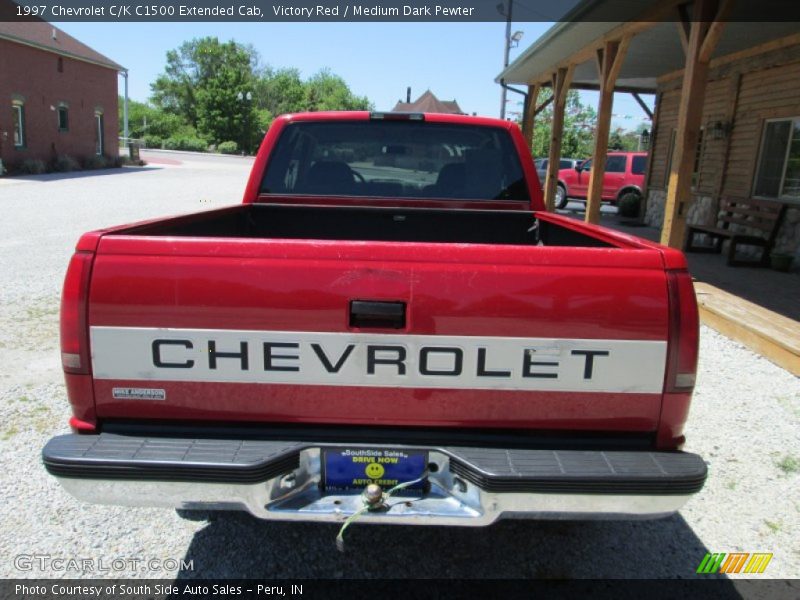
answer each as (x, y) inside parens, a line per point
(761, 217)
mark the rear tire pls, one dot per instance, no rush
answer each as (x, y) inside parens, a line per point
(561, 199)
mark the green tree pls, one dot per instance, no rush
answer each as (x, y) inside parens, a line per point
(147, 120)
(577, 140)
(220, 92)
(280, 91)
(206, 83)
(326, 91)
(616, 139)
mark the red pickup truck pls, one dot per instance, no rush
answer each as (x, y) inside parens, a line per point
(389, 305)
(624, 176)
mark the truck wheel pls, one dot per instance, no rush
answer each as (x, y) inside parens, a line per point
(561, 196)
(629, 204)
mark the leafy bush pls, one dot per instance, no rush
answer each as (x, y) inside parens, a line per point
(153, 141)
(629, 205)
(64, 163)
(228, 148)
(185, 143)
(95, 162)
(32, 166)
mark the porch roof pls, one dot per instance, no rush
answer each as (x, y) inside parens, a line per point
(655, 49)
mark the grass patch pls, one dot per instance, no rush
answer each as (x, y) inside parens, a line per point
(38, 312)
(773, 526)
(9, 433)
(790, 404)
(789, 464)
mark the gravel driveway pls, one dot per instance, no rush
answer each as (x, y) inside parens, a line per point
(744, 421)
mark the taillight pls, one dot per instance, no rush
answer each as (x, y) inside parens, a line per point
(74, 328)
(684, 333)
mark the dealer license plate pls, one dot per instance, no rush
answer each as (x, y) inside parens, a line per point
(355, 468)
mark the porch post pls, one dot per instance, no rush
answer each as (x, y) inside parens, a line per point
(561, 82)
(529, 112)
(654, 134)
(609, 62)
(704, 32)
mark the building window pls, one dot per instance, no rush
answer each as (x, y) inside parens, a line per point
(60, 66)
(778, 174)
(63, 118)
(668, 167)
(698, 155)
(99, 129)
(19, 125)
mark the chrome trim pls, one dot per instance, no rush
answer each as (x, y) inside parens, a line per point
(296, 496)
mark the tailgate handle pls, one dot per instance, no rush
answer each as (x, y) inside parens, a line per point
(373, 313)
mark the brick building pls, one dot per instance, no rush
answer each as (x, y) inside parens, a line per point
(57, 96)
(428, 102)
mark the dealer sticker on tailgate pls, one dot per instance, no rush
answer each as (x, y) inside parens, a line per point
(356, 468)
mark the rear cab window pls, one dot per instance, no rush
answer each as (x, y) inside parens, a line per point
(396, 159)
(638, 165)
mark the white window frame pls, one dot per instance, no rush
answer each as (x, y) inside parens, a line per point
(19, 120)
(779, 197)
(100, 130)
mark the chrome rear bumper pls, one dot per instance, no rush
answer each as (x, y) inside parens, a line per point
(282, 480)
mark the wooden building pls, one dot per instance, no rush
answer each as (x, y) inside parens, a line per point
(727, 112)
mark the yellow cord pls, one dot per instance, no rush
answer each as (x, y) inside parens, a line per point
(372, 507)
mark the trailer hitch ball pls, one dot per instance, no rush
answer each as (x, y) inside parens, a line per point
(373, 494)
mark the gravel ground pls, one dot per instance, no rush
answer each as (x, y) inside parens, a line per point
(744, 421)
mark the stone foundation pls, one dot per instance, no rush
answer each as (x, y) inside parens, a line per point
(701, 211)
(654, 210)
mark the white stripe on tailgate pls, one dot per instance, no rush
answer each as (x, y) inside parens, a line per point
(378, 360)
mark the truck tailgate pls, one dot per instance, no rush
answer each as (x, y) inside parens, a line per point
(260, 330)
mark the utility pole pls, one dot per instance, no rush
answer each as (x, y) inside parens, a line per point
(125, 132)
(245, 98)
(507, 51)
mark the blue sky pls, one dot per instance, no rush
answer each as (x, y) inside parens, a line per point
(455, 60)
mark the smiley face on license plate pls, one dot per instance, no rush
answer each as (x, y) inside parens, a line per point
(347, 469)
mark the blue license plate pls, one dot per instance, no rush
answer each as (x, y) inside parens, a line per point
(355, 468)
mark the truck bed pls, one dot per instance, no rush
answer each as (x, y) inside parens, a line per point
(441, 226)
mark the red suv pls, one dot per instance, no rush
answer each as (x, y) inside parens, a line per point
(624, 176)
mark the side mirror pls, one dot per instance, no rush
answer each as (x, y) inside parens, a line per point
(578, 167)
